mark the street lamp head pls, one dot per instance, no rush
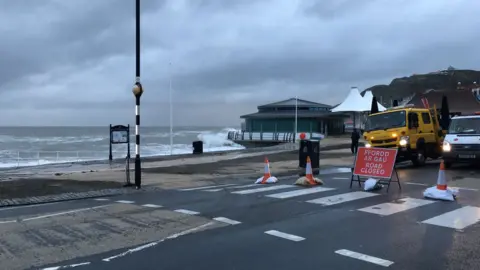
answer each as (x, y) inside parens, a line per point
(137, 89)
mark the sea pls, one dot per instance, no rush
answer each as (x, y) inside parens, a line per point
(33, 146)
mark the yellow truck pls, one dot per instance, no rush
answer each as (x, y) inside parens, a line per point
(415, 132)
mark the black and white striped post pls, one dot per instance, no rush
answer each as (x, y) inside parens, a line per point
(137, 92)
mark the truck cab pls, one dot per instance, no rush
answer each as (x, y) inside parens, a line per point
(462, 142)
(413, 131)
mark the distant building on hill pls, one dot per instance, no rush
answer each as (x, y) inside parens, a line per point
(459, 101)
(280, 117)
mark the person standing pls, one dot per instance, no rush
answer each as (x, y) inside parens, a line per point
(355, 139)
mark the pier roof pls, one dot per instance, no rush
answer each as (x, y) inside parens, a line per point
(291, 114)
(291, 102)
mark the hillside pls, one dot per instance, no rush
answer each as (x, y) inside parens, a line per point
(419, 84)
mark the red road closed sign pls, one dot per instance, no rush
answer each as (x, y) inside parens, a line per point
(375, 162)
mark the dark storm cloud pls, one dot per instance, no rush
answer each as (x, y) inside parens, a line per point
(309, 69)
(73, 60)
(64, 33)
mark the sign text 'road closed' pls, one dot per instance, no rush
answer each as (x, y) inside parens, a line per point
(375, 162)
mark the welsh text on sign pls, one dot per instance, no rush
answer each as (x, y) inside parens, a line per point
(375, 162)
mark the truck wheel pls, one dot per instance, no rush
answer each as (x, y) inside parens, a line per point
(420, 158)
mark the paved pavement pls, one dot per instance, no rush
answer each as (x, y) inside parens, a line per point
(235, 225)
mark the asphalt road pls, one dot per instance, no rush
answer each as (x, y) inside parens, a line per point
(303, 229)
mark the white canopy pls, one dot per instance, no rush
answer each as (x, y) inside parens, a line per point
(369, 97)
(354, 103)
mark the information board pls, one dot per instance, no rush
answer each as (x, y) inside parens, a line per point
(119, 136)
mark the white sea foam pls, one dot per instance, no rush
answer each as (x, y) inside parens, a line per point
(33, 151)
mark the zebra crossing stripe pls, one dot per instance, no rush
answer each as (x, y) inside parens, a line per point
(457, 219)
(341, 198)
(386, 209)
(256, 190)
(246, 186)
(295, 193)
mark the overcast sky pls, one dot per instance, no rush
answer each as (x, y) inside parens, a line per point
(72, 62)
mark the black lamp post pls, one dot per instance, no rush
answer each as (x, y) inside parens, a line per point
(137, 92)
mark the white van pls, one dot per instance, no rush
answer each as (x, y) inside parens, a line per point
(462, 142)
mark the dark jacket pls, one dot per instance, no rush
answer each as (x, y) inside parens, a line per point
(355, 136)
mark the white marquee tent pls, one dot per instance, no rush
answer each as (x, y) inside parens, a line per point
(369, 96)
(355, 103)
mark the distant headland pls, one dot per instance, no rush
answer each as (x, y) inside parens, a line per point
(461, 86)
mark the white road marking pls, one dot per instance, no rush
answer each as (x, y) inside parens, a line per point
(212, 190)
(66, 213)
(7, 221)
(341, 178)
(287, 236)
(462, 188)
(185, 211)
(341, 198)
(245, 186)
(386, 209)
(295, 193)
(256, 190)
(363, 257)
(457, 219)
(152, 205)
(26, 206)
(123, 201)
(66, 266)
(130, 251)
(207, 187)
(416, 184)
(101, 199)
(227, 220)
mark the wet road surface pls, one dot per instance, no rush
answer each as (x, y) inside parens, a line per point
(281, 226)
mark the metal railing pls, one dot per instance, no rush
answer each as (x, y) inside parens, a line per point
(269, 136)
(35, 158)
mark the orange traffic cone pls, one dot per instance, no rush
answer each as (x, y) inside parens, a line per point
(441, 179)
(267, 176)
(308, 179)
(441, 190)
(309, 173)
(266, 173)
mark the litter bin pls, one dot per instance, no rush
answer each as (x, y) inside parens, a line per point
(197, 147)
(309, 148)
